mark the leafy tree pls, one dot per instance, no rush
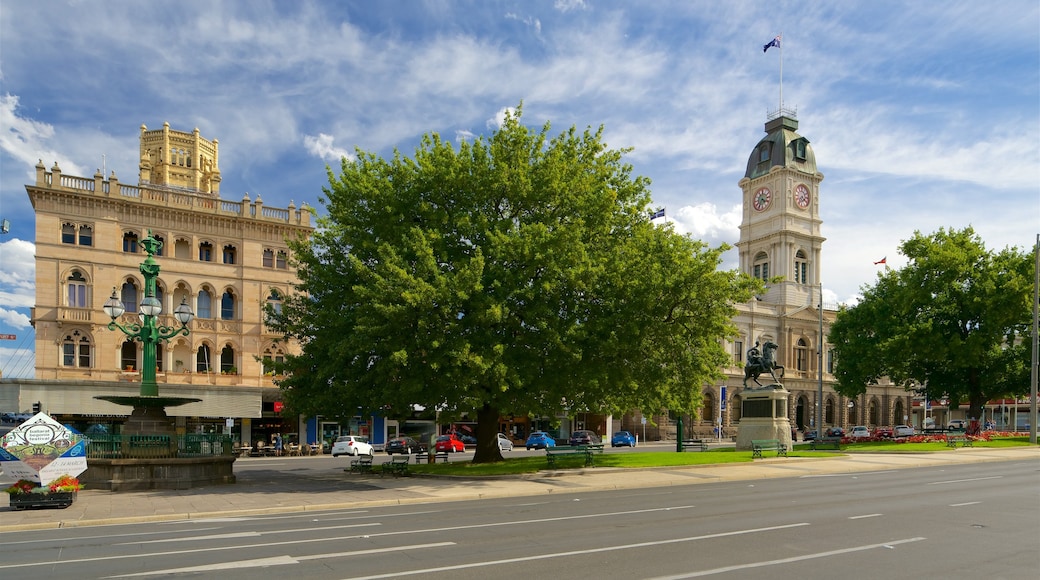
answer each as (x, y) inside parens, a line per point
(516, 274)
(953, 323)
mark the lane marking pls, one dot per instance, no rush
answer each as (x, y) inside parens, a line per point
(845, 474)
(964, 504)
(279, 560)
(234, 535)
(725, 569)
(864, 516)
(575, 553)
(351, 537)
(966, 480)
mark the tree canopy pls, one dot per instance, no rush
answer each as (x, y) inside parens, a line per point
(955, 322)
(514, 274)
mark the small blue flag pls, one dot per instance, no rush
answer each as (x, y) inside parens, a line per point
(657, 214)
(775, 42)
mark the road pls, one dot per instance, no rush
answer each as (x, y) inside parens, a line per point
(975, 519)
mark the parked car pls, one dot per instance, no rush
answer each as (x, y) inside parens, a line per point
(903, 431)
(860, 432)
(834, 432)
(809, 435)
(449, 443)
(883, 432)
(584, 437)
(504, 443)
(405, 446)
(351, 445)
(468, 439)
(539, 440)
(957, 425)
(623, 439)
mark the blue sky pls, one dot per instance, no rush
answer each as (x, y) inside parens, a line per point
(922, 114)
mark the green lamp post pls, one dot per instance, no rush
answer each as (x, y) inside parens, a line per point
(148, 331)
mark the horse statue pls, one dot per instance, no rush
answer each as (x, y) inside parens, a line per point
(762, 363)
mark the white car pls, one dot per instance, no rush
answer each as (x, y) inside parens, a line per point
(504, 443)
(860, 432)
(903, 431)
(351, 445)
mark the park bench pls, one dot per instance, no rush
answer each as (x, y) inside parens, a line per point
(824, 441)
(694, 445)
(438, 457)
(760, 445)
(586, 451)
(398, 465)
(363, 464)
(952, 441)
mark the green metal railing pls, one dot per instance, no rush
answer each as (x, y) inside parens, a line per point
(158, 446)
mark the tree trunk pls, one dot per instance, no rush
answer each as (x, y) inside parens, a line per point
(487, 450)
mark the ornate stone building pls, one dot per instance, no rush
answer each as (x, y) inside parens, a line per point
(226, 259)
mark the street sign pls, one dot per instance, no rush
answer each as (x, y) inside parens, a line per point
(8, 337)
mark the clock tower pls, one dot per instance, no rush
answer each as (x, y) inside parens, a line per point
(780, 227)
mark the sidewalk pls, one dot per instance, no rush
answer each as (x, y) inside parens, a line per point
(270, 491)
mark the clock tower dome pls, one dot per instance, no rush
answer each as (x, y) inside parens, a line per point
(780, 227)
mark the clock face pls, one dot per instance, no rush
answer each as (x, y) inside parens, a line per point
(802, 196)
(762, 199)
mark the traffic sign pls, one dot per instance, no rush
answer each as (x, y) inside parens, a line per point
(8, 337)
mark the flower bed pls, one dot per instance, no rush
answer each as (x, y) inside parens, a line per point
(60, 493)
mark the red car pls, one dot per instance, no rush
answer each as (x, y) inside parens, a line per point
(449, 443)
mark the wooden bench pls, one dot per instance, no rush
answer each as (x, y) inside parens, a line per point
(760, 445)
(586, 451)
(694, 444)
(397, 466)
(952, 441)
(438, 457)
(363, 464)
(824, 441)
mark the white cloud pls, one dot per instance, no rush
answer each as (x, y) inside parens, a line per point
(321, 146)
(17, 285)
(495, 122)
(28, 141)
(568, 5)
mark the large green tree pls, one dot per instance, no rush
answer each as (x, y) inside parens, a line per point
(515, 274)
(953, 323)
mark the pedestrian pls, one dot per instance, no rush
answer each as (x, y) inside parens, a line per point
(278, 444)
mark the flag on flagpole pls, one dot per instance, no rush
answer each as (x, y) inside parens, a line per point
(881, 261)
(657, 214)
(775, 42)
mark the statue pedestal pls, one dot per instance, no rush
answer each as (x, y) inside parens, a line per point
(764, 416)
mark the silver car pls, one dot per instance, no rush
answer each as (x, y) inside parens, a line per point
(504, 443)
(903, 431)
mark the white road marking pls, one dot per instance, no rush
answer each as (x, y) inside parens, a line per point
(575, 553)
(966, 480)
(844, 474)
(787, 560)
(964, 504)
(864, 516)
(233, 535)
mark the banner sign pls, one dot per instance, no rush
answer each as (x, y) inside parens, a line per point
(42, 450)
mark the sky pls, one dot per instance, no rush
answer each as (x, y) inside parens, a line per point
(922, 115)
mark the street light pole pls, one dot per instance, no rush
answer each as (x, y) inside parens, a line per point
(819, 365)
(148, 332)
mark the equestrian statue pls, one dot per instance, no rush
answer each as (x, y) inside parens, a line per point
(762, 362)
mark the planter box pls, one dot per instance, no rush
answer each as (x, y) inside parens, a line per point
(23, 501)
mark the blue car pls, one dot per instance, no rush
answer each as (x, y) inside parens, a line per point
(539, 440)
(623, 439)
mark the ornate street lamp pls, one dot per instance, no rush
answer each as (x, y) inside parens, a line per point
(148, 332)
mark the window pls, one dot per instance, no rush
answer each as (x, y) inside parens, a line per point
(761, 269)
(830, 361)
(227, 306)
(182, 249)
(801, 267)
(738, 351)
(130, 243)
(801, 355)
(763, 153)
(799, 149)
(86, 235)
(270, 359)
(268, 258)
(76, 290)
(205, 252)
(282, 257)
(274, 300)
(202, 358)
(128, 355)
(229, 254)
(828, 412)
(129, 296)
(68, 233)
(76, 351)
(227, 360)
(162, 243)
(203, 303)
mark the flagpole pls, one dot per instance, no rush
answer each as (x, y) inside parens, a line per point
(781, 109)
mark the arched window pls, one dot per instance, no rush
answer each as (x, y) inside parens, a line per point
(162, 243)
(281, 259)
(227, 360)
(68, 233)
(130, 242)
(801, 355)
(202, 304)
(205, 252)
(227, 306)
(828, 412)
(229, 254)
(128, 355)
(76, 290)
(708, 413)
(182, 249)
(86, 235)
(898, 412)
(874, 413)
(268, 258)
(76, 351)
(761, 269)
(129, 296)
(272, 357)
(202, 359)
(801, 267)
(274, 300)
(160, 295)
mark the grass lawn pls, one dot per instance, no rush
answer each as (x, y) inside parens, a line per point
(897, 447)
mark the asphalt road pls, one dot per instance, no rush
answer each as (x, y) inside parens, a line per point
(976, 520)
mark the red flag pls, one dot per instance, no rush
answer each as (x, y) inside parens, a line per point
(881, 261)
